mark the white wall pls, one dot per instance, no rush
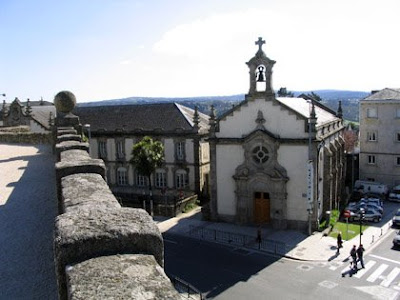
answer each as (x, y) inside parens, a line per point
(228, 158)
(294, 159)
(243, 121)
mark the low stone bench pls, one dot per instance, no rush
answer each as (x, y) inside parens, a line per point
(128, 276)
(80, 190)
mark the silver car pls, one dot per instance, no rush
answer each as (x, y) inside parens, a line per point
(369, 215)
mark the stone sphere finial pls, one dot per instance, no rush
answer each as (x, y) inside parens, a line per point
(64, 101)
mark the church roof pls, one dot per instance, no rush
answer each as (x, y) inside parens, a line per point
(303, 107)
(168, 117)
(385, 94)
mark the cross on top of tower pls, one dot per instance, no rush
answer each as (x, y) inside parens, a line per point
(260, 42)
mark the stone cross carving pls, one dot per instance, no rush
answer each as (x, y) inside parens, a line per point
(260, 42)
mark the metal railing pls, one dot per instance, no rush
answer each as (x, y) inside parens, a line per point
(185, 288)
(238, 239)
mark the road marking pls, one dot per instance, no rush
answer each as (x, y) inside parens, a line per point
(388, 280)
(328, 284)
(374, 276)
(368, 266)
(384, 258)
(335, 265)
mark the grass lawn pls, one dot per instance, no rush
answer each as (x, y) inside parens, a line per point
(354, 230)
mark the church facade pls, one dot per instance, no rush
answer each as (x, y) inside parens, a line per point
(275, 161)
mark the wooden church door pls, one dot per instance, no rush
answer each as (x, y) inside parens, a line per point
(261, 208)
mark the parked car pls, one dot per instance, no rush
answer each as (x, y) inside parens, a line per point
(370, 216)
(396, 240)
(394, 194)
(396, 218)
(377, 201)
(370, 187)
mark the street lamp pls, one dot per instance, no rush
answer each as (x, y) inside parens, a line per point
(362, 216)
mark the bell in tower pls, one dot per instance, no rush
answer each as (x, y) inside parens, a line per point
(260, 72)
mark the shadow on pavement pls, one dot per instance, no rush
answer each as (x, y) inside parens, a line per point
(27, 216)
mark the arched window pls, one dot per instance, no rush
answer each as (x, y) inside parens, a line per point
(122, 178)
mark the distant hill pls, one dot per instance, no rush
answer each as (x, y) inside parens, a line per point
(330, 98)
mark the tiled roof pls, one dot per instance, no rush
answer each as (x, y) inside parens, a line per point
(167, 117)
(41, 114)
(303, 107)
(385, 94)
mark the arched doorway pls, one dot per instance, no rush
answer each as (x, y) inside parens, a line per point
(261, 208)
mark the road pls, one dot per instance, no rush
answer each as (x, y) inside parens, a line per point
(225, 272)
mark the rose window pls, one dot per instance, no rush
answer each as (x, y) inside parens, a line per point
(260, 154)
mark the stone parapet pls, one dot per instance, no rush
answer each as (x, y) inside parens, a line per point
(86, 189)
(102, 250)
(70, 145)
(128, 276)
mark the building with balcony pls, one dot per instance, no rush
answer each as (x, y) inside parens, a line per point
(114, 129)
(380, 137)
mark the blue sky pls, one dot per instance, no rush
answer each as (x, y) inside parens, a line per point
(102, 49)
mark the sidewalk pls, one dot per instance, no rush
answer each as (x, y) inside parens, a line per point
(299, 245)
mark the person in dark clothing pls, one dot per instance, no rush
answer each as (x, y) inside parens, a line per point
(339, 241)
(353, 254)
(360, 253)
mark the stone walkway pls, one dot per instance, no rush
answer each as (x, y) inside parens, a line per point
(28, 207)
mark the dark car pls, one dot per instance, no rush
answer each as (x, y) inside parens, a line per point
(396, 219)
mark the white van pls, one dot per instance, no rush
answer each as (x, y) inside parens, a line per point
(371, 187)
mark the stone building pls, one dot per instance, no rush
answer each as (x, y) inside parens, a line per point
(34, 114)
(115, 129)
(380, 137)
(276, 161)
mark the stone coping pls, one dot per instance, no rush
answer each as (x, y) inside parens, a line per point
(129, 276)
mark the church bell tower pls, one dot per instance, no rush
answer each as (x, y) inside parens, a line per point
(260, 72)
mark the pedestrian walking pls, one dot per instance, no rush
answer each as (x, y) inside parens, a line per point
(360, 253)
(258, 239)
(353, 254)
(339, 241)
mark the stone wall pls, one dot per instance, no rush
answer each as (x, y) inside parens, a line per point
(25, 138)
(102, 250)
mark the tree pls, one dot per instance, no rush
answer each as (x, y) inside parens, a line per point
(314, 96)
(147, 155)
(283, 92)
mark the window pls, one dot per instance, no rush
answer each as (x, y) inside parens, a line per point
(371, 159)
(122, 176)
(398, 137)
(103, 149)
(398, 113)
(120, 149)
(372, 136)
(180, 150)
(141, 180)
(181, 179)
(260, 154)
(398, 161)
(372, 113)
(161, 179)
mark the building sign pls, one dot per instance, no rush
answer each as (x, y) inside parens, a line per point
(310, 185)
